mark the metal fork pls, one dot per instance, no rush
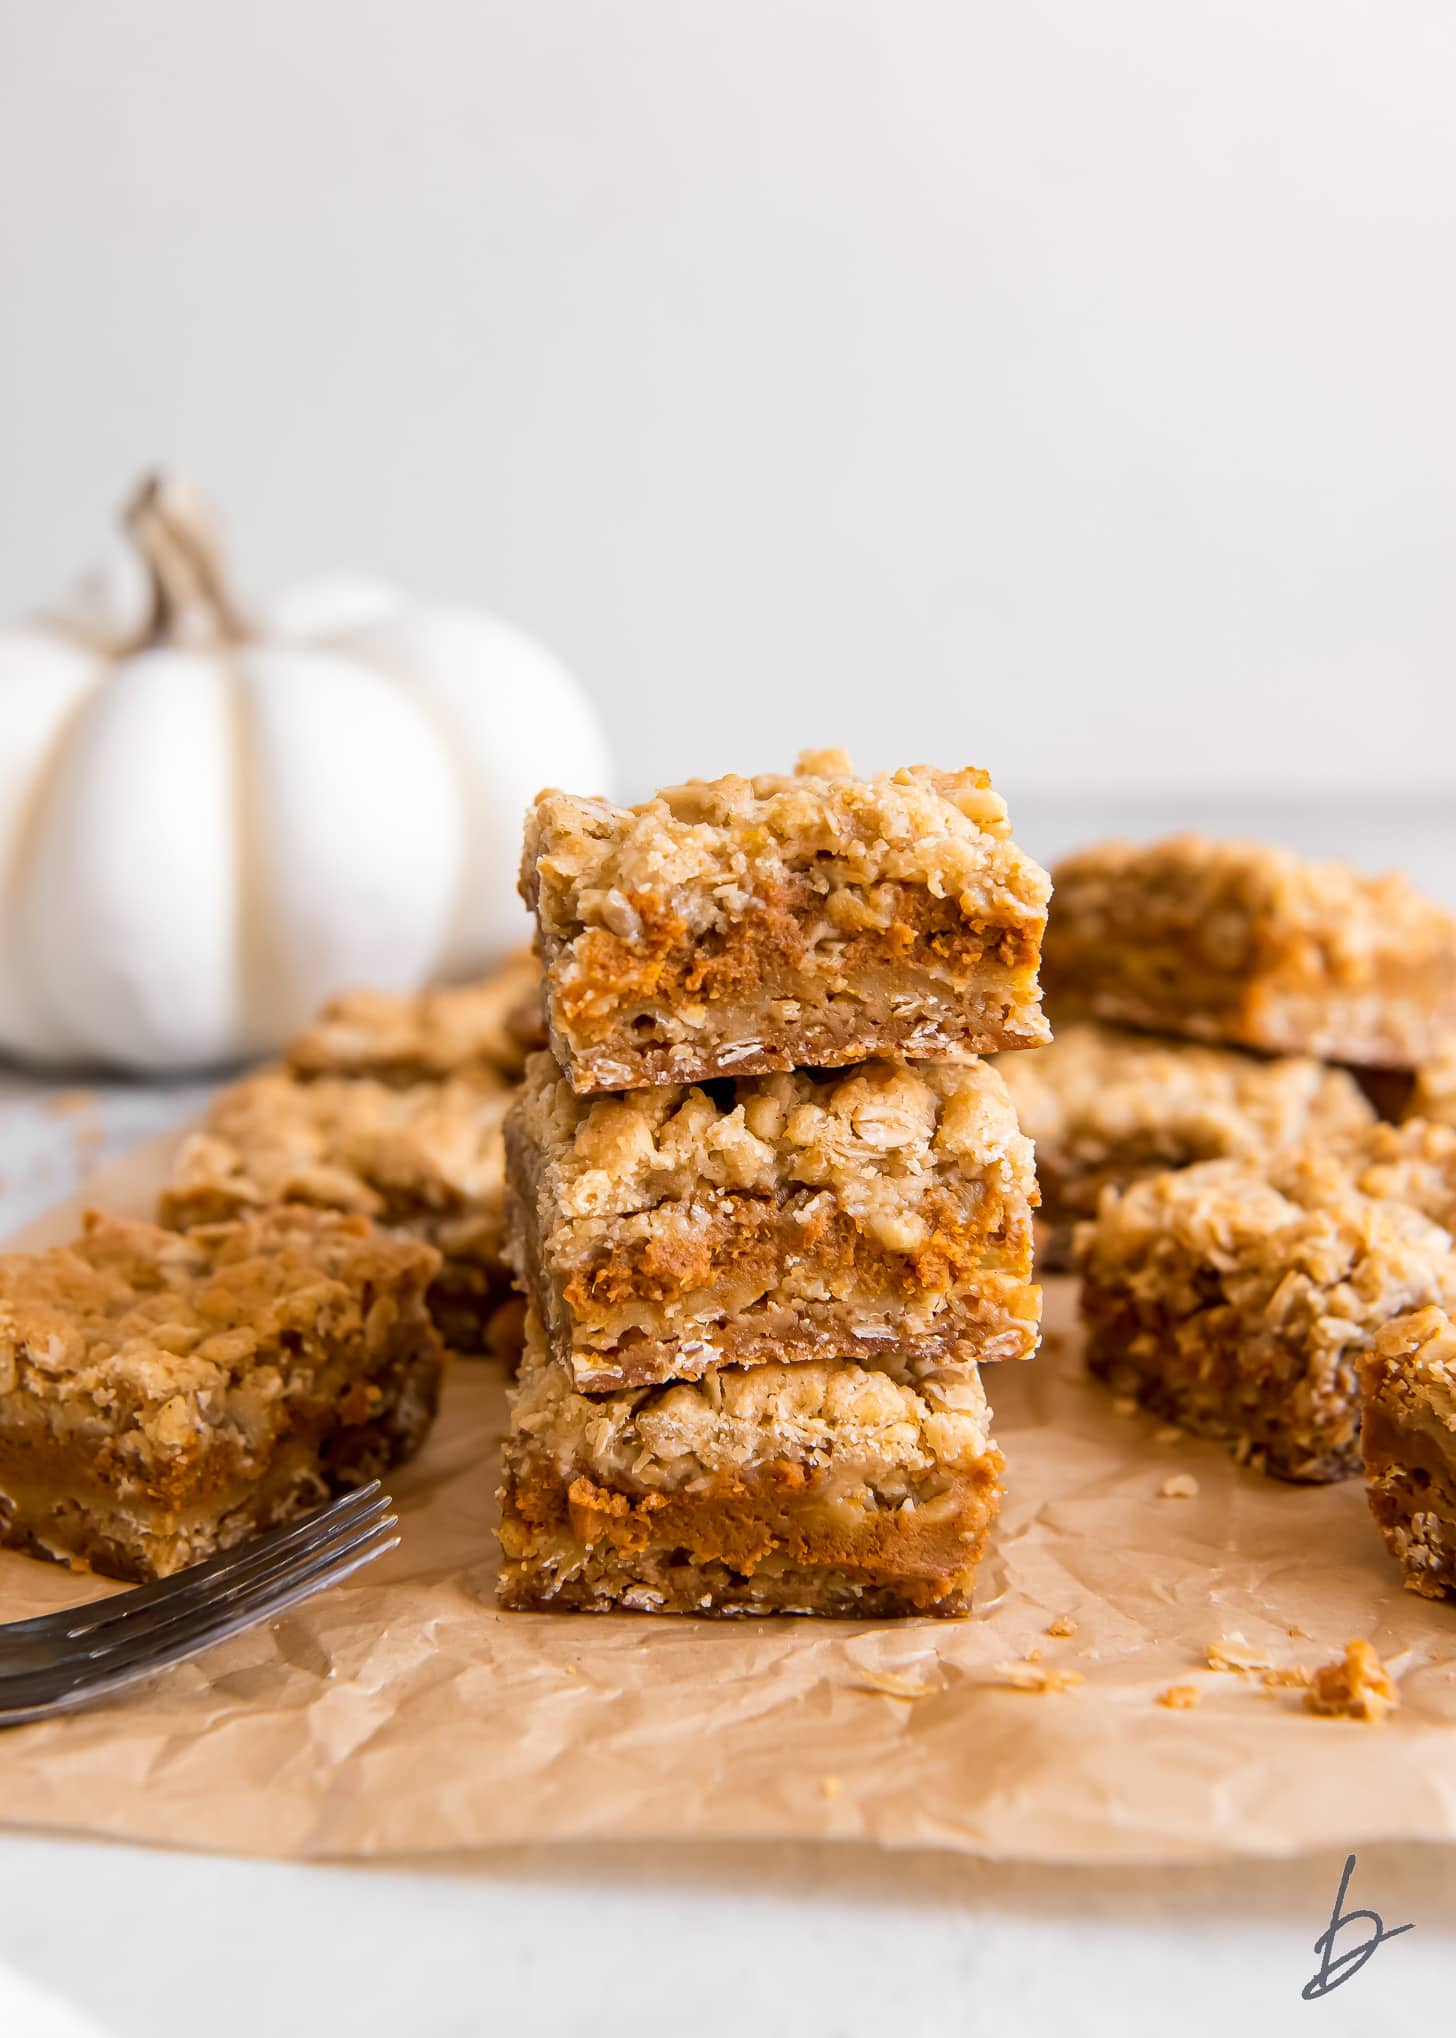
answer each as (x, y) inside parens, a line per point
(61, 1660)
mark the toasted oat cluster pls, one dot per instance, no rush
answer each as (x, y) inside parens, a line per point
(1107, 1107)
(1408, 1439)
(427, 1159)
(1238, 1299)
(484, 1029)
(164, 1395)
(742, 925)
(1434, 1092)
(816, 1214)
(1251, 945)
(837, 1486)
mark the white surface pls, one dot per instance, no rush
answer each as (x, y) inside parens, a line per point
(785, 1942)
(767, 357)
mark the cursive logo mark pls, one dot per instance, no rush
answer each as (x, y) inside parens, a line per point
(1335, 1969)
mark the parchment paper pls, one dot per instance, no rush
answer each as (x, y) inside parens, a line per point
(403, 1713)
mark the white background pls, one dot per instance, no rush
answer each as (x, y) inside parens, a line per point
(1064, 387)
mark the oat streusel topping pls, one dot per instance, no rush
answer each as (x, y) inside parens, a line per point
(1245, 943)
(481, 1028)
(711, 842)
(1238, 1298)
(1106, 1105)
(896, 1427)
(874, 1137)
(429, 1154)
(176, 1334)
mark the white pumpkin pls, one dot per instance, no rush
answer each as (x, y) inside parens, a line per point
(207, 825)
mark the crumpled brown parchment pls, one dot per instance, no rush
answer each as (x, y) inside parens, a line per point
(404, 1713)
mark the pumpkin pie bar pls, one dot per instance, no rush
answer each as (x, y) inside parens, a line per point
(823, 1214)
(862, 1487)
(741, 925)
(426, 1159)
(1105, 1106)
(1239, 1297)
(1250, 945)
(164, 1394)
(1408, 1442)
(486, 1028)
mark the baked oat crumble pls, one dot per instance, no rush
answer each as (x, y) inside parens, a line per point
(165, 1394)
(804, 1215)
(1250, 945)
(733, 926)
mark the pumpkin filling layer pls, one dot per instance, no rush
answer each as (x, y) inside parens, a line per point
(839, 1486)
(802, 1215)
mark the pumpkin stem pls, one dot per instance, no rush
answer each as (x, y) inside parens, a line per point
(192, 603)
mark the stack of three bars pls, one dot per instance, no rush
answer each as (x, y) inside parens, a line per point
(769, 1209)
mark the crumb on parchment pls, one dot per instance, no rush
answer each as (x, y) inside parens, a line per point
(830, 1786)
(1032, 1676)
(1169, 1434)
(1356, 1686)
(1232, 1652)
(891, 1684)
(1062, 1625)
(1123, 1404)
(1291, 1677)
(1182, 1486)
(1180, 1697)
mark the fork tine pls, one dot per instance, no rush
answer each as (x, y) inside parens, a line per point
(76, 1621)
(264, 1568)
(62, 1694)
(44, 1687)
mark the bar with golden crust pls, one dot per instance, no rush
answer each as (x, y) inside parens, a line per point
(735, 926)
(164, 1395)
(855, 1487)
(1255, 947)
(818, 1214)
(1238, 1298)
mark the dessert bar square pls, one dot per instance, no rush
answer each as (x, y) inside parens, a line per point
(822, 1214)
(486, 1028)
(164, 1395)
(1408, 1442)
(1106, 1107)
(831, 1486)
(741, 925)
(427, 1159)
(1237, 1298)
(1238, 942)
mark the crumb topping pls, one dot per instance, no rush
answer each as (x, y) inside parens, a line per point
(1104, 1105)
(717, 844)
(875, 1136)
(885, 1425)
(179, 1332)
(486, 1027)
(429, 1155)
